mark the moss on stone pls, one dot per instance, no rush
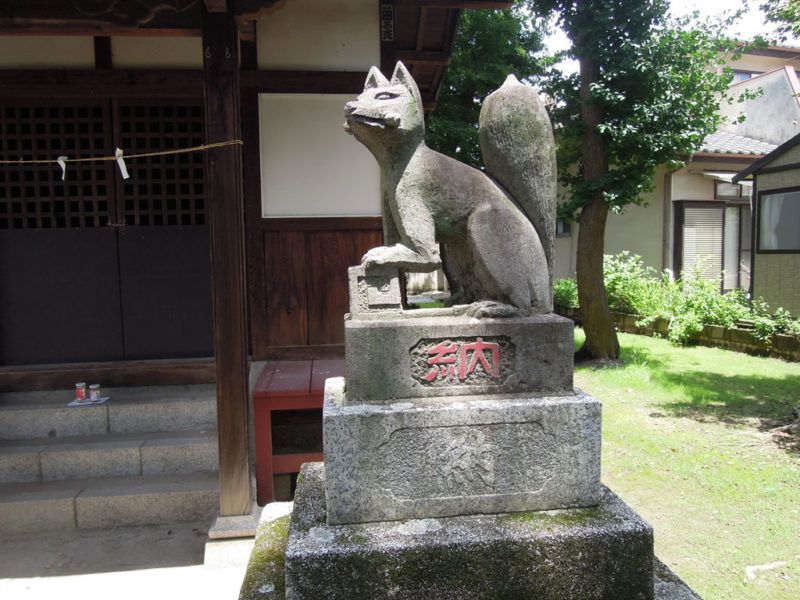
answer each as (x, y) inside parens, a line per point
(555, 519)
(264, 579)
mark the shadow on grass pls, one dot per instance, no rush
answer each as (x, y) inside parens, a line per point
(762, 402)
(696, 391)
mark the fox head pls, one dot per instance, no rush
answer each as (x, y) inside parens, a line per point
(386, 112)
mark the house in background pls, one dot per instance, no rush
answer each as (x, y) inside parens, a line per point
(697, 215)
(236, 252)
(776, 205)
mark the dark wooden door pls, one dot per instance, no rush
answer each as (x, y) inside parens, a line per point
(94, 268)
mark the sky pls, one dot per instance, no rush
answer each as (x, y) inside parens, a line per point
(750, 25)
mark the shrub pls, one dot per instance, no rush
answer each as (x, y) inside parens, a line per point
(565, 293)
(689, 302)
(633, 288)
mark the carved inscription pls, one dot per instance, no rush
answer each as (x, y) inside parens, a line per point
(469, 460)
(487, 360)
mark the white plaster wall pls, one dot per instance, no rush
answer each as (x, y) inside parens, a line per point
(639, 229)
(564, 263)
(690, 184)
(309, 165)
(323, 35)
(157, 52)
(42, 52)
(750, 62)
(774, 115)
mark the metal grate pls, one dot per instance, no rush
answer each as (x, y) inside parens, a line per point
(34, 196)
(167, 189)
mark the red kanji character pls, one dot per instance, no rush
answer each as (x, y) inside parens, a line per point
(443, 360)
(478, 355)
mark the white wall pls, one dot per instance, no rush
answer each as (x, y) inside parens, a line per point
(772, 116)
(34, 52)
(157, 52)
(309, 165)
(320, 35)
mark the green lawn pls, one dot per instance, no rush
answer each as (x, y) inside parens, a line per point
(687, 443)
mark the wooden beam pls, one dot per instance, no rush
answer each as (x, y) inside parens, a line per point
(421, 27)
(102, 53)
(111, 374)
(485, 4)
(387, 24)
(23, 27)
(216, 6)
(412, 57)
(226, 212)
(70, 83)
(306, 82)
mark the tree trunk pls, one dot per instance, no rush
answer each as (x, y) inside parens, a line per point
(601, 337)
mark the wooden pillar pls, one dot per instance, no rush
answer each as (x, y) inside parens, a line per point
(226, 215)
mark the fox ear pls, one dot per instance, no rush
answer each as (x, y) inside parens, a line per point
(375, 79)
(401, 75)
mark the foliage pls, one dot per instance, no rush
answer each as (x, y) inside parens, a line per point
(689, 302)
(632, 287)
(489, 45)
(786, 13)
(565, 293)
(658, 84)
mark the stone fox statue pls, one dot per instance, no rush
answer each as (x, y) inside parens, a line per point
(495, 231)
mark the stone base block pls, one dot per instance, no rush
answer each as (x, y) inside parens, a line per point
(601, 553)
(459, 456)
(401, 356)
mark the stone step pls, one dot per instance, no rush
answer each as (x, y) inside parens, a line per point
(107, 502)
(110, 455)
(45, 414)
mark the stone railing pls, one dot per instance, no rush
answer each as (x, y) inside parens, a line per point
(740, 339)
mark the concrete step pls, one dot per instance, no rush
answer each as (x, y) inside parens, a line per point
(35, 415)
(107, 502)
(110, 455)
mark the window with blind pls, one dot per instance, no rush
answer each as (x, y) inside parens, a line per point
(714, 239)
(702, 240)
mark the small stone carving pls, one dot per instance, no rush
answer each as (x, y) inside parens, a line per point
(463, 361)
(495, 231)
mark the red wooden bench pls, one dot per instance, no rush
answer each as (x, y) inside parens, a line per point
(286, 385)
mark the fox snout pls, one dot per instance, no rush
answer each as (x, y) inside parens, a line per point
(355, 111)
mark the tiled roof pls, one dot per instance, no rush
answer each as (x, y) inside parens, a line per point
(723, 142)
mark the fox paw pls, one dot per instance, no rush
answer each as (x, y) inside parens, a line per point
(398, 256)
(490, 309)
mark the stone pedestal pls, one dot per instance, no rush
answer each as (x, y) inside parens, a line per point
(397, 357)
(605, 552)
(459, 456)
(460, 462)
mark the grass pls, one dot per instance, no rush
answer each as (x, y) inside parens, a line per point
(687, 442)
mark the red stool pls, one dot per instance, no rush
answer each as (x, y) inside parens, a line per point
(286, 385)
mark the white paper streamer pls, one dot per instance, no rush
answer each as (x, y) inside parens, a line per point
(121, 163)
(62, 162)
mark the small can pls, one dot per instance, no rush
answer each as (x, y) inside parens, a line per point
(80, 392)
(94, 392)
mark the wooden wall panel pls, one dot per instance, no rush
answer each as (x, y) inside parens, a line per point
(331, 253)
(305, 290)
(286, 300)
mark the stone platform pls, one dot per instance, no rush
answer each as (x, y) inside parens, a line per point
(459, 456)
(394, 356)
(602, 553)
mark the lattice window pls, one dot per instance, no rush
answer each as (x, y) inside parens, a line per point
(34, 196)
(168, 189)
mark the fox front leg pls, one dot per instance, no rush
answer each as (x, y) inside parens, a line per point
(402, 257)
(417, 250)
